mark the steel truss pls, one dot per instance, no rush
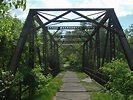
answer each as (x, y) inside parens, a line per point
(94, 54)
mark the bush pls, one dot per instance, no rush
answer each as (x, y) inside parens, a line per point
(40, 79)
(48, 91)
(120, 78)
(107, 96)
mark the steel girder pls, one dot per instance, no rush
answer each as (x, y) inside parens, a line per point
(99, 22)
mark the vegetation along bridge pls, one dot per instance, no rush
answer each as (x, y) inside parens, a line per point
(86, 39)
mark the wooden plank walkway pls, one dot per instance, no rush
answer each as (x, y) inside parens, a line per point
(72, 89)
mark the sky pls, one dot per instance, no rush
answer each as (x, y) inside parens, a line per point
(123, 8)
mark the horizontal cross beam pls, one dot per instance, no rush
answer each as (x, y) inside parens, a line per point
(69, 27)
(70, 36)
(69, 44)
(77, 9)
(70, 41)
(70, 21)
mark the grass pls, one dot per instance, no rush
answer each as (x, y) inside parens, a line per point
(98, 92)
(109, 96)
(90, 86)
(94, 89)
(101, 96)
(81, 75)
(48, 91)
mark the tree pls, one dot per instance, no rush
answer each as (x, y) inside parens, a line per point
(129, 34)
(9, 28)
(120, 78)
(6, 5)
(9, 32)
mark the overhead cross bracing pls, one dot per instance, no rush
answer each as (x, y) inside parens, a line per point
(57, 25)
(69, 27)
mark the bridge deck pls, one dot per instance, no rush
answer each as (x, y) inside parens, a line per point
(72, 89)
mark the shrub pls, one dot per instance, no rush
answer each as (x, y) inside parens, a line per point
(120, 78)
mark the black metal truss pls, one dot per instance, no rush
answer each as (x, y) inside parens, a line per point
(106, 20)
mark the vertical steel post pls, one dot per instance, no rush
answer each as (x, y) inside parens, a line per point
(38, 51)
(87, 64)
(98, 48)
(106, 43)
(31, 51)
(90, 53)
(83, 58)
(105, 48)
(45, 51)
(58, 59)
(31, 60)
(113, 44)
(110, 37)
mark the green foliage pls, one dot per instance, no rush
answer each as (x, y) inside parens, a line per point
(35, 76)
(6, 5)
(40, 79)
(9, 29)
(120, 77)
(9, 32)
(129, 34)
(107, 96)
(48, 91)
(81, 75)
(5, 80)
(75, 61)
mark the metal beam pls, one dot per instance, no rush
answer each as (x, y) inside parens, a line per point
(69, 27)
(69, 44)
(70, 41)
(97, 28)
(70, 36)
(94, 21)
(57, 17)
(43, 16)
(70, 21)
(41, 24)
(77, 9)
